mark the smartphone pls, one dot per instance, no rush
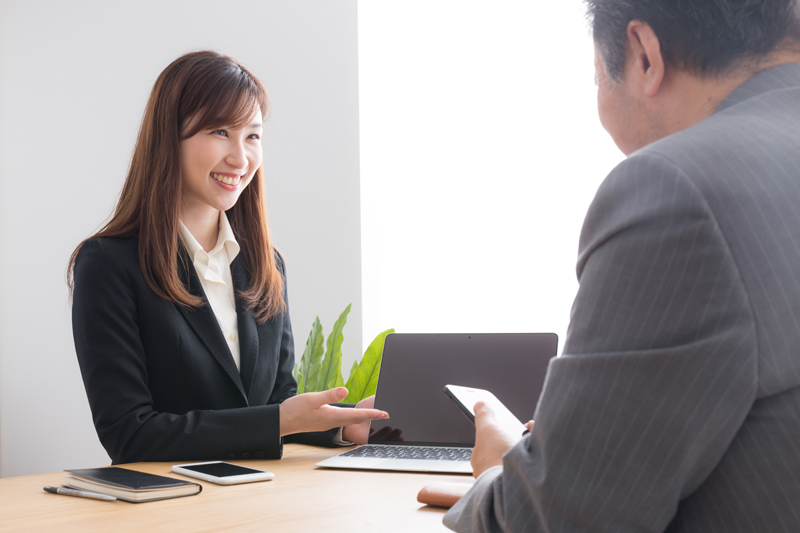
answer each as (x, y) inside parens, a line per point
(466, 398)
(222, 473)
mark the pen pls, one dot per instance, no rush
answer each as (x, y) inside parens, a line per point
(80, 493)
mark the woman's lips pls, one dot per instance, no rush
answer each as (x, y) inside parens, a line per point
(228, 180)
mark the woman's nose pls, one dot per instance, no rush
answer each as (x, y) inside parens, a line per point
(237, 157)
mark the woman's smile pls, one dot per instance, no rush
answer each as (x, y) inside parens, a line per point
(229, 181)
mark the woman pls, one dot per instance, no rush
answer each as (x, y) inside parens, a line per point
(180, 313)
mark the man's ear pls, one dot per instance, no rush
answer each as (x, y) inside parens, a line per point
(646, 62)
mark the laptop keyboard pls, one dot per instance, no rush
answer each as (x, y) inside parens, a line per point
(433, 453)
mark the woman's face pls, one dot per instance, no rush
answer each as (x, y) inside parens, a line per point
(216, 165)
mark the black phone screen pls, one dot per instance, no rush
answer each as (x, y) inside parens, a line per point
(223, 469)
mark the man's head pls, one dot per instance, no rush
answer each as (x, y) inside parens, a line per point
(663, 65)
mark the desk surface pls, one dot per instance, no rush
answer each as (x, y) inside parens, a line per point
(302, 497)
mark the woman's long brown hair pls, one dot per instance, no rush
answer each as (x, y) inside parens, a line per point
(198, 91)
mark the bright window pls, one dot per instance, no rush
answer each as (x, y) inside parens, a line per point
(480, 153)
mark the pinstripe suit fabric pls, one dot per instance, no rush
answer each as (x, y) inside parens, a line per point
(676, 404)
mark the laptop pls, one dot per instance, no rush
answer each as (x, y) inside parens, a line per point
(426, 432)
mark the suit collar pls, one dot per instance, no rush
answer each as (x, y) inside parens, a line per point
(776, 78)
(248, 330)
(204, 323)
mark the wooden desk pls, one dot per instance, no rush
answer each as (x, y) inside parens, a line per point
(301, 498)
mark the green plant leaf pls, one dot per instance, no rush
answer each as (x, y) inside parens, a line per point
(352, 369)
(363, 379)
(312, 355)
(329, 372)
(299, 378)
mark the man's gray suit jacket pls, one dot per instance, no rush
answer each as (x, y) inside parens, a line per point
(676, 404)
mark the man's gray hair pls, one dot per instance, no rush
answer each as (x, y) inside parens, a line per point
(702, 36)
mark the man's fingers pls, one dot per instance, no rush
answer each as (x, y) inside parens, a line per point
(483, 413)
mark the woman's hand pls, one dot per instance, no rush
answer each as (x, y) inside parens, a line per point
(359, 433)
(311, 412)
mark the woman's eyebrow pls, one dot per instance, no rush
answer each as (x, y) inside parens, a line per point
(255, 125)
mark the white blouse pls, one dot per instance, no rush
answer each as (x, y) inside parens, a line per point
(214, 270)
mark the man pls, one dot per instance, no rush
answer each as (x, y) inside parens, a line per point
(676, 404)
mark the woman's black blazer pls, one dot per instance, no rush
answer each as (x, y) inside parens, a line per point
(161, 381)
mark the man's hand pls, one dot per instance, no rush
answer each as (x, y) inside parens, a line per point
(491, 441)
(311, 412)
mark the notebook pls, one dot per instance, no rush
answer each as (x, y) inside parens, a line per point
(426, 432)
(129, 485)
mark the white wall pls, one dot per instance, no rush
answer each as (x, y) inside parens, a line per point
(74, 78)
(480, 153)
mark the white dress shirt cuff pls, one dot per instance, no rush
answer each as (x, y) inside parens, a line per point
(339, 441)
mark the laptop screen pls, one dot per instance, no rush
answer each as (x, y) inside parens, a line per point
(416, 367)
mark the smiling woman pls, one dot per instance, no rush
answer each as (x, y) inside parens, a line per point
(180, 318)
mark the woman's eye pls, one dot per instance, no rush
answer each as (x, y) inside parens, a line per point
(220, 132)
(255, 136)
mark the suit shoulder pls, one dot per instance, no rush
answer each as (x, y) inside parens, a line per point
(107, 251)
(750, 134)
(646, 171)
(646, 190)
(112, 245)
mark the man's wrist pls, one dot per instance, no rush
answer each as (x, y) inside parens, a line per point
(491, 471)
(485, 466)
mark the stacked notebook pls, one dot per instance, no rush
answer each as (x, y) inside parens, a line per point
(129, 485)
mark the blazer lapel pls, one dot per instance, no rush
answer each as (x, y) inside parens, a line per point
(204, 323)
(248, 331)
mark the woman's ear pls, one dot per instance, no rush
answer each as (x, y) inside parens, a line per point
(646, 64)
